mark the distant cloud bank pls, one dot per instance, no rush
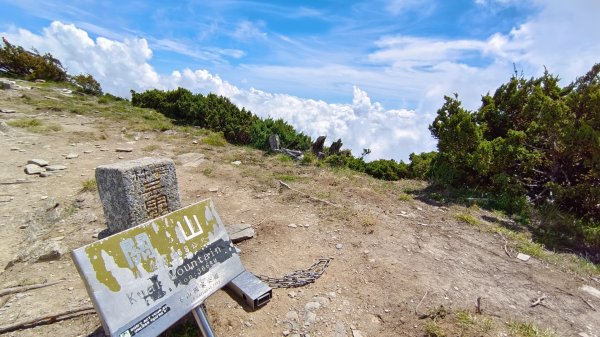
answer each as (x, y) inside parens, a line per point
(416, 71)
(124, 65)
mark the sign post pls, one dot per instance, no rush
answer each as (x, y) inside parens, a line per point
(144, 279)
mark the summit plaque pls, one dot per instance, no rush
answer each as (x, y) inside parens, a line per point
(144, 279)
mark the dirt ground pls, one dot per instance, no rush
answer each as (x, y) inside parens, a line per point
(402, 266)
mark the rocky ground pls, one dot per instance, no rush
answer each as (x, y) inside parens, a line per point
(403, 264)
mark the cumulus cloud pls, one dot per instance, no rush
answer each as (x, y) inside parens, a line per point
(123, 65)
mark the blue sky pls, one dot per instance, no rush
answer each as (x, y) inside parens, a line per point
(370, 72)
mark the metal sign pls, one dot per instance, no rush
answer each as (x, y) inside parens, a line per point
(144, 279)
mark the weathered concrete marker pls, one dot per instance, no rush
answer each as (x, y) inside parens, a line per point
(173, 251)
(133, 192)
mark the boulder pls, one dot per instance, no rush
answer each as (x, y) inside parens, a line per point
(317, 146)
(274, 142)
(335, 147)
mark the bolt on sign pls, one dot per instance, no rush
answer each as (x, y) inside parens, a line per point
(144, 279)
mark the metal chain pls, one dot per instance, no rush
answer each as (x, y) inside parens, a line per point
(298, 278)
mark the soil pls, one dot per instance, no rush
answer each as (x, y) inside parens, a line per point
(401, 266)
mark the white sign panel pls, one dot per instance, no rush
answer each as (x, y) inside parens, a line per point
(144, 279)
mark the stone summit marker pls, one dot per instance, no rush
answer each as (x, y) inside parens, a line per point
(136, 191)
(144, 279)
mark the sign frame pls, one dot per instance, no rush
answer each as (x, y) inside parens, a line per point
(144, 279)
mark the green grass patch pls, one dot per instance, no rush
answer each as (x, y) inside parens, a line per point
(88, 185)
(432, 329)
(527, 329)
(284, 158)
(34, 125)
(468, 218)
(215, 139)
(286, 177)
(405, 197)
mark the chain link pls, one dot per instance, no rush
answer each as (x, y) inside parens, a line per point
(298, 278)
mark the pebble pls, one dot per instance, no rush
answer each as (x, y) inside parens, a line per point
(124, 149)
(292, 225)
(71, 156)
(38, 162)
(339, 246)
(56, 167)
(292, 294)
(312, 306)
(291, 315)
(357, 333)
(194, 142)
(286, 332)
(33, 169)
(309, 318)
(236, 163)
(213, 189)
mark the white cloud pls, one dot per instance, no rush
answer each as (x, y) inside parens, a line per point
(397, 7)
(247, 30)
(123, 65)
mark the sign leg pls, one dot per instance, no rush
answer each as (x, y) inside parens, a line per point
(202, 321)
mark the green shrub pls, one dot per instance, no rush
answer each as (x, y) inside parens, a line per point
(87, 84)
(30, 65)
(532, 142)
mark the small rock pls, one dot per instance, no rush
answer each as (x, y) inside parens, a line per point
(247, 323)
(321, 300)
(286, 332)
(523, 257)
(292, 294)
(339, 246)
(71, 156)
(33, 169)
(3, 126)
(356, 333)
(292, 225)
(309, 318)
(14, 148)
(38, 162)
(5, 85)
(292, 316)
(236, 163)
(312, 306)
(46, 174)
(240, 232)
(6, 111)
(55, 167)
(70, 288)
(339, 330)
(213, 189)
(124, 149)
(88, 151)
(194, 142)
